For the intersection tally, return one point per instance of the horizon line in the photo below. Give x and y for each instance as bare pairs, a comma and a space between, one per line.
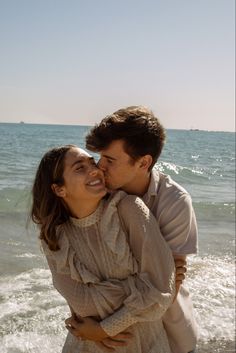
84, 125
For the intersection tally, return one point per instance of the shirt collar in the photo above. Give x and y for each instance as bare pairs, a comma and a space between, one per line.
153, 186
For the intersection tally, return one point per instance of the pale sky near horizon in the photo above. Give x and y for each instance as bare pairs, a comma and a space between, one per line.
74, 61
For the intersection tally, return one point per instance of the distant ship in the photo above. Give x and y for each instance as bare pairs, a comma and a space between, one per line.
21, 122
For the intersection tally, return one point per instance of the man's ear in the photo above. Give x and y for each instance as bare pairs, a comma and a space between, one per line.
146, 161
58, 190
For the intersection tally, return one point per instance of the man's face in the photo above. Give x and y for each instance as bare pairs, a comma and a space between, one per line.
120, 170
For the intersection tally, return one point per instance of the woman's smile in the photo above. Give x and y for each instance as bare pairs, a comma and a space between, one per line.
96, 182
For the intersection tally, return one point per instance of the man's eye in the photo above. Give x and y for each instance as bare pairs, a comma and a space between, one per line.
109, 161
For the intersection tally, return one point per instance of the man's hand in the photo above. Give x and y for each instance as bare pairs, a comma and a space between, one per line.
181, 269
90, 329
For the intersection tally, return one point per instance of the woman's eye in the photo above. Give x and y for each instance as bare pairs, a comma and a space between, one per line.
94, 164
79, 168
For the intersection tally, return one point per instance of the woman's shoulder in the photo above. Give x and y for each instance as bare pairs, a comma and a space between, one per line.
127, 205
134, 204
120, 197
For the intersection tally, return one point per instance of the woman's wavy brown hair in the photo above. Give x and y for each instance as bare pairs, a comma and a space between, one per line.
48, 210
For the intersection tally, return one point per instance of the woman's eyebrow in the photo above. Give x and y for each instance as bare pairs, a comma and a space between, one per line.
81, 160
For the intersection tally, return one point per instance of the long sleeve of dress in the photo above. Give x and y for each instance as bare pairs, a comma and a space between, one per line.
94, 298
151, 290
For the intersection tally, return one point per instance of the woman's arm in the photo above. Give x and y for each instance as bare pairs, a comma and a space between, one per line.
151, 291
87, 299
79, 295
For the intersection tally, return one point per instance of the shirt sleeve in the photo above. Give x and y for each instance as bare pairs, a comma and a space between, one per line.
150, 292
178, 225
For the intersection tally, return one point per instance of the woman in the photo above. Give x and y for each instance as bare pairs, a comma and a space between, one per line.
107, 256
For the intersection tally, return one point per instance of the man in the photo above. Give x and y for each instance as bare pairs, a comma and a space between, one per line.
130, 142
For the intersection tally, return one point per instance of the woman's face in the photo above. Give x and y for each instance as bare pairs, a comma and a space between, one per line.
82, 178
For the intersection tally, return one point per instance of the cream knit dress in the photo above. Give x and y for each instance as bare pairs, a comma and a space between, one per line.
115, 264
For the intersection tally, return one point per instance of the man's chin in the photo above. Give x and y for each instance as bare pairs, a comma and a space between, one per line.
110, 188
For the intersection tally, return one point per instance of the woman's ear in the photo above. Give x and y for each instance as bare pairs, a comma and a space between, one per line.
146, 161
58, 190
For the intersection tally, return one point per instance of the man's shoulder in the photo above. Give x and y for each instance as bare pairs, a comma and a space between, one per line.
167, 186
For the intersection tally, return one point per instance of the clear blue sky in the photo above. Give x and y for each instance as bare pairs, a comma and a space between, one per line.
74, 61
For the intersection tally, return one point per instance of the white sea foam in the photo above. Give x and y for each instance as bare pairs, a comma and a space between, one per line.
167, 167
211, 281
27, 255
31, 342
28, 292
32, 312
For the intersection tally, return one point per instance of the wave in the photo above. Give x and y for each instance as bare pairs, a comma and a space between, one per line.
30, 304
211, 281
215, 211
195, 173
32, 342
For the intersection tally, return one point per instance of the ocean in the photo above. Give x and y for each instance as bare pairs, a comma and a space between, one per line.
32, 313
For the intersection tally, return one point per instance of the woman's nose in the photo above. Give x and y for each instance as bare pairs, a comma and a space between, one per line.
101, 165
94, 170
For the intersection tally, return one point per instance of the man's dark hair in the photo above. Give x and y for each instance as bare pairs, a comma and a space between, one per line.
137, 126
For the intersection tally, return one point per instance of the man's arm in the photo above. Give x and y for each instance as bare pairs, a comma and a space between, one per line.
179, 228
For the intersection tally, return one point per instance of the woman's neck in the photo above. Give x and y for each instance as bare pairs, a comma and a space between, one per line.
83, 208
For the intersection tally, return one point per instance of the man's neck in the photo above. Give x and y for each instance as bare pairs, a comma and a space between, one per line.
139, 186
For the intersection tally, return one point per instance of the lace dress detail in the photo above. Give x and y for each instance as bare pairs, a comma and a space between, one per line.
91, 219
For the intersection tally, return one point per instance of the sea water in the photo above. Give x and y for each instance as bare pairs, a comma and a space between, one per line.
32, 313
